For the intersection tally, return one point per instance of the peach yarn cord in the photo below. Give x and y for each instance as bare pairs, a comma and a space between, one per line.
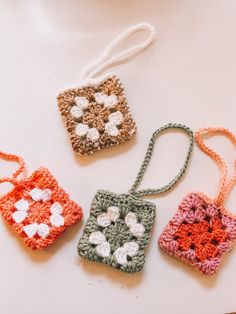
225, 185
21, 169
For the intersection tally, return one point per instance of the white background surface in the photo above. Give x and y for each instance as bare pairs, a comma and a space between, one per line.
188, 76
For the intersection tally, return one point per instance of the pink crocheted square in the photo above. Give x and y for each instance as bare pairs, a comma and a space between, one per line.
199, 233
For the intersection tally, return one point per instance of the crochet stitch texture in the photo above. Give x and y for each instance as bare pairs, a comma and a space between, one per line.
97, 116
119, 227
202, 230
37, 208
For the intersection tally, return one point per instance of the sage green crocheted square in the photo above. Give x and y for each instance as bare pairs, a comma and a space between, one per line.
117, 231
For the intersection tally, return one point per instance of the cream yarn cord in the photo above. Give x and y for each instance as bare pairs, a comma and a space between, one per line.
106, 59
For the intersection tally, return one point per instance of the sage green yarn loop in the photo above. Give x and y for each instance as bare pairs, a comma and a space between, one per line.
148, 156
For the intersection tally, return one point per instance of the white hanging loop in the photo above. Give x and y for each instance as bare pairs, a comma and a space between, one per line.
106, 59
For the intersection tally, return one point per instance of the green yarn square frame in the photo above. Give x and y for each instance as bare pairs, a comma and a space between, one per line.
118, 233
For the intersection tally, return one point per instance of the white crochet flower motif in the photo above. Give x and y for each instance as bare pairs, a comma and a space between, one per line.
112, 214
115, 119
56, 219
128, 249
32, 229
108, 101
135, 228
83, 130
82, 104
102, 248
22, 207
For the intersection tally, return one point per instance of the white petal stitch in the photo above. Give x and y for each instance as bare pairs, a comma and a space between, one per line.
93, 134
116, 118
108, 101
100, 98
97, 237
36, 194
103, 220
111, 129
131, 248
56, 208
57, 220
40, 195
76, 112
18, 216
41, 229
31, 230
103, 249
21, 213
120, 256
82, 102
131, 219
47, 193
81, 129
22, 205
113, 213
128, 249
84, 130
137, 230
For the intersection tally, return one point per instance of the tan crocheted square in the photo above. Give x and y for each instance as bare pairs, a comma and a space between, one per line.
96, 115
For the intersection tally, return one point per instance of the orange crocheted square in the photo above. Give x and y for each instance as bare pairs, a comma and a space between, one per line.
39, 210
97, 115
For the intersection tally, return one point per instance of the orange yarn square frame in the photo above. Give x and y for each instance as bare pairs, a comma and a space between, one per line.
45, 218
96, 115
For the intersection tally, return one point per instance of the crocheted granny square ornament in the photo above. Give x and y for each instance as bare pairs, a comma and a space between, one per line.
202, 230
119, 227
96, 113
118, 231
38, 209
199, 233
